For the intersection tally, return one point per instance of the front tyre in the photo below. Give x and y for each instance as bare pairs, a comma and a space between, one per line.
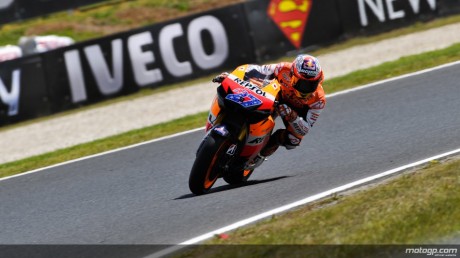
206, 170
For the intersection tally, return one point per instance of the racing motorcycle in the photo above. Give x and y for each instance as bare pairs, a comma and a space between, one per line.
245, 118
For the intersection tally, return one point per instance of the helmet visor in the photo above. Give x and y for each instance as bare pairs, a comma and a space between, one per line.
304, 87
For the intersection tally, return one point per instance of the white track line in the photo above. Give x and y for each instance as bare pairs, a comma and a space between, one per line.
202, 128
307, 200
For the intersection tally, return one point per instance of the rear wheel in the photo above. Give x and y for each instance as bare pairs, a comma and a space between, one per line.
206, 169
238, 177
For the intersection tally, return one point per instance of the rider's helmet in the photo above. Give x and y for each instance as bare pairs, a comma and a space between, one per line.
306, 74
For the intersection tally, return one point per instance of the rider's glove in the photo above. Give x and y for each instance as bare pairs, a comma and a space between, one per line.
287, 113
219, 78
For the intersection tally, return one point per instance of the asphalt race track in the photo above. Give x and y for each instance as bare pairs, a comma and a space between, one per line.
141, 196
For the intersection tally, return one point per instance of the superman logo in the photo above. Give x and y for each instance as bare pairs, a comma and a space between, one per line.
291, 17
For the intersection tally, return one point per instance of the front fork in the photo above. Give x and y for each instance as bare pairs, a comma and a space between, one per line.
236, 132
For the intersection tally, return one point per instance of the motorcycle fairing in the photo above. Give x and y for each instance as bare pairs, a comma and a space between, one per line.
258, 136
232, 83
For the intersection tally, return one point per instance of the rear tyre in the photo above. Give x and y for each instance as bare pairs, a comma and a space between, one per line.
238, 177
206, 170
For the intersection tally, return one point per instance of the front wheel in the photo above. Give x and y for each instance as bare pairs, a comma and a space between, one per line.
206, 170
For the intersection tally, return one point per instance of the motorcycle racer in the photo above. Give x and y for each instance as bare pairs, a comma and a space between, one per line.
301, 100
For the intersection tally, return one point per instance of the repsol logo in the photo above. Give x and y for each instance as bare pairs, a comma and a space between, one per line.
11, 97
148, 65
250, 86
385, 10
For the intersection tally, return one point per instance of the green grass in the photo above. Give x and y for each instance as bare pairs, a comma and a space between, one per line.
389, 69
104, 18
417, 207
